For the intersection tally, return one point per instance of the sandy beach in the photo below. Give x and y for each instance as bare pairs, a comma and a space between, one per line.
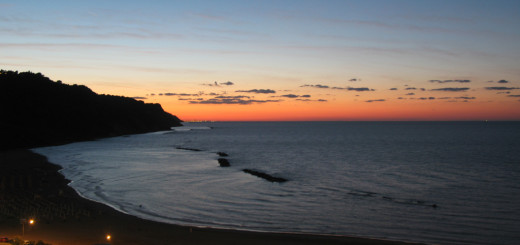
31, 187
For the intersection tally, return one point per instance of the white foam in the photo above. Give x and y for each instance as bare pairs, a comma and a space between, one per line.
189, 128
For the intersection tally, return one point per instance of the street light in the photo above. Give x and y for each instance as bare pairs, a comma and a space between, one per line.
23, 221
109, 237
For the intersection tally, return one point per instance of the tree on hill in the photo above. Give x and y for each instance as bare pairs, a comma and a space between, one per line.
37, 111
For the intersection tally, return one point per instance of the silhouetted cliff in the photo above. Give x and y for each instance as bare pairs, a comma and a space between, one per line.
36, 111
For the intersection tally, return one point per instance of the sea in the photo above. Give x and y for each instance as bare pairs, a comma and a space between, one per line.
430, 182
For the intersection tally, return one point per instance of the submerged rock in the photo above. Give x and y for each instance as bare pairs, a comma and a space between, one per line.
222, 154
223, 162
187, 149
264, 176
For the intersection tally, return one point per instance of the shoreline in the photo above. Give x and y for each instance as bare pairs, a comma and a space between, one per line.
32, 187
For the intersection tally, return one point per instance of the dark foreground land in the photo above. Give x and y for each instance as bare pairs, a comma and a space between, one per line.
31, 187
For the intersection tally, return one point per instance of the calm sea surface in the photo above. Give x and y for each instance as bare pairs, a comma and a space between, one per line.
433, 182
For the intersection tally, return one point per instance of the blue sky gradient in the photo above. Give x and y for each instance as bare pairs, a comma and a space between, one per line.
138, 48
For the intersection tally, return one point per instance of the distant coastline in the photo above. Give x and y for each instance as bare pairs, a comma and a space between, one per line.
37, 111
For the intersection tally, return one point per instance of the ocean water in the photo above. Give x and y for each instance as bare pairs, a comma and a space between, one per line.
432, 182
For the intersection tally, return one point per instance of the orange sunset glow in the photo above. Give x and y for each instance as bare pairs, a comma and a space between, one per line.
347, 107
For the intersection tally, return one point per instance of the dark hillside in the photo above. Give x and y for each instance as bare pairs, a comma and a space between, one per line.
36, 111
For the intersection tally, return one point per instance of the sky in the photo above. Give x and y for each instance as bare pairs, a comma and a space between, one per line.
279, 60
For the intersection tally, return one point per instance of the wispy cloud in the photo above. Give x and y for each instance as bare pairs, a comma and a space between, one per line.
231, 101
361, 89
190, 98
356, 89
502, 88
315, 86
412, 26
218, 84
228, 83
209, 17
80, 32
258, 91
112, 29
178, 94
60, 45
233, 97
450, 89
414, 88
309, 100
450, 81
294, 96
499, 81
378, 100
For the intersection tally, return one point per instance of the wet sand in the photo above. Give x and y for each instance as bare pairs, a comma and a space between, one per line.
31, 187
